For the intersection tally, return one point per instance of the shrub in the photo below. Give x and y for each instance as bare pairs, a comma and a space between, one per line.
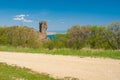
20, 36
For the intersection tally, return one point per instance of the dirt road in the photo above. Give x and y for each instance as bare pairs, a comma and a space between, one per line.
66, 66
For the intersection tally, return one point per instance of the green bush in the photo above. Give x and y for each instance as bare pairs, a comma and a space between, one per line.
77, 37
20, 36
93, 37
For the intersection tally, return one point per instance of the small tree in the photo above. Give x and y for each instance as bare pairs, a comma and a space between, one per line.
115, 29
77, 36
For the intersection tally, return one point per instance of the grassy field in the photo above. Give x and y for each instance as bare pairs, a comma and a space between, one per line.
8, 72
82, 53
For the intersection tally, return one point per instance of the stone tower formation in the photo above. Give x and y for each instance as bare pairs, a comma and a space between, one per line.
42, 29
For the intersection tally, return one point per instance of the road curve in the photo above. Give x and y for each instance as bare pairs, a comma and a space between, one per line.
59, 66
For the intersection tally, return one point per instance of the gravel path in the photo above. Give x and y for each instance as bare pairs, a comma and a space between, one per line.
60, 66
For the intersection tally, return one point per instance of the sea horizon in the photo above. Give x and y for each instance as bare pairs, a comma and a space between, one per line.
55, 32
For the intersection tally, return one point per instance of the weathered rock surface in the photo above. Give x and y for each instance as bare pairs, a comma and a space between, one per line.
42, 30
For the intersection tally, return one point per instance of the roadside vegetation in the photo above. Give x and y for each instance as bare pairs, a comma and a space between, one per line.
90, 40
115, 54
19, 36
8, 72
94, 37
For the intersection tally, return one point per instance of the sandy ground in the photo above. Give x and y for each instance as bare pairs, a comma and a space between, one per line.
66, 66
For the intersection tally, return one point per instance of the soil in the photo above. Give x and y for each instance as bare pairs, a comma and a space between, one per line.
59, 66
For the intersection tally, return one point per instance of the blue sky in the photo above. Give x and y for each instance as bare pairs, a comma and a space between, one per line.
59, 14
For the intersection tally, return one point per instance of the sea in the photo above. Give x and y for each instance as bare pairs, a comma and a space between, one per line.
51, 34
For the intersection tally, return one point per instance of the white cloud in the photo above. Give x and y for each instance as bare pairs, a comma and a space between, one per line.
22, 18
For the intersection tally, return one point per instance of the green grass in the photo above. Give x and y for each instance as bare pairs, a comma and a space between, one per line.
81, 53
8, 72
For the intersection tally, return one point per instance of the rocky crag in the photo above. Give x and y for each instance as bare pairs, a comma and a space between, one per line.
42, 30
